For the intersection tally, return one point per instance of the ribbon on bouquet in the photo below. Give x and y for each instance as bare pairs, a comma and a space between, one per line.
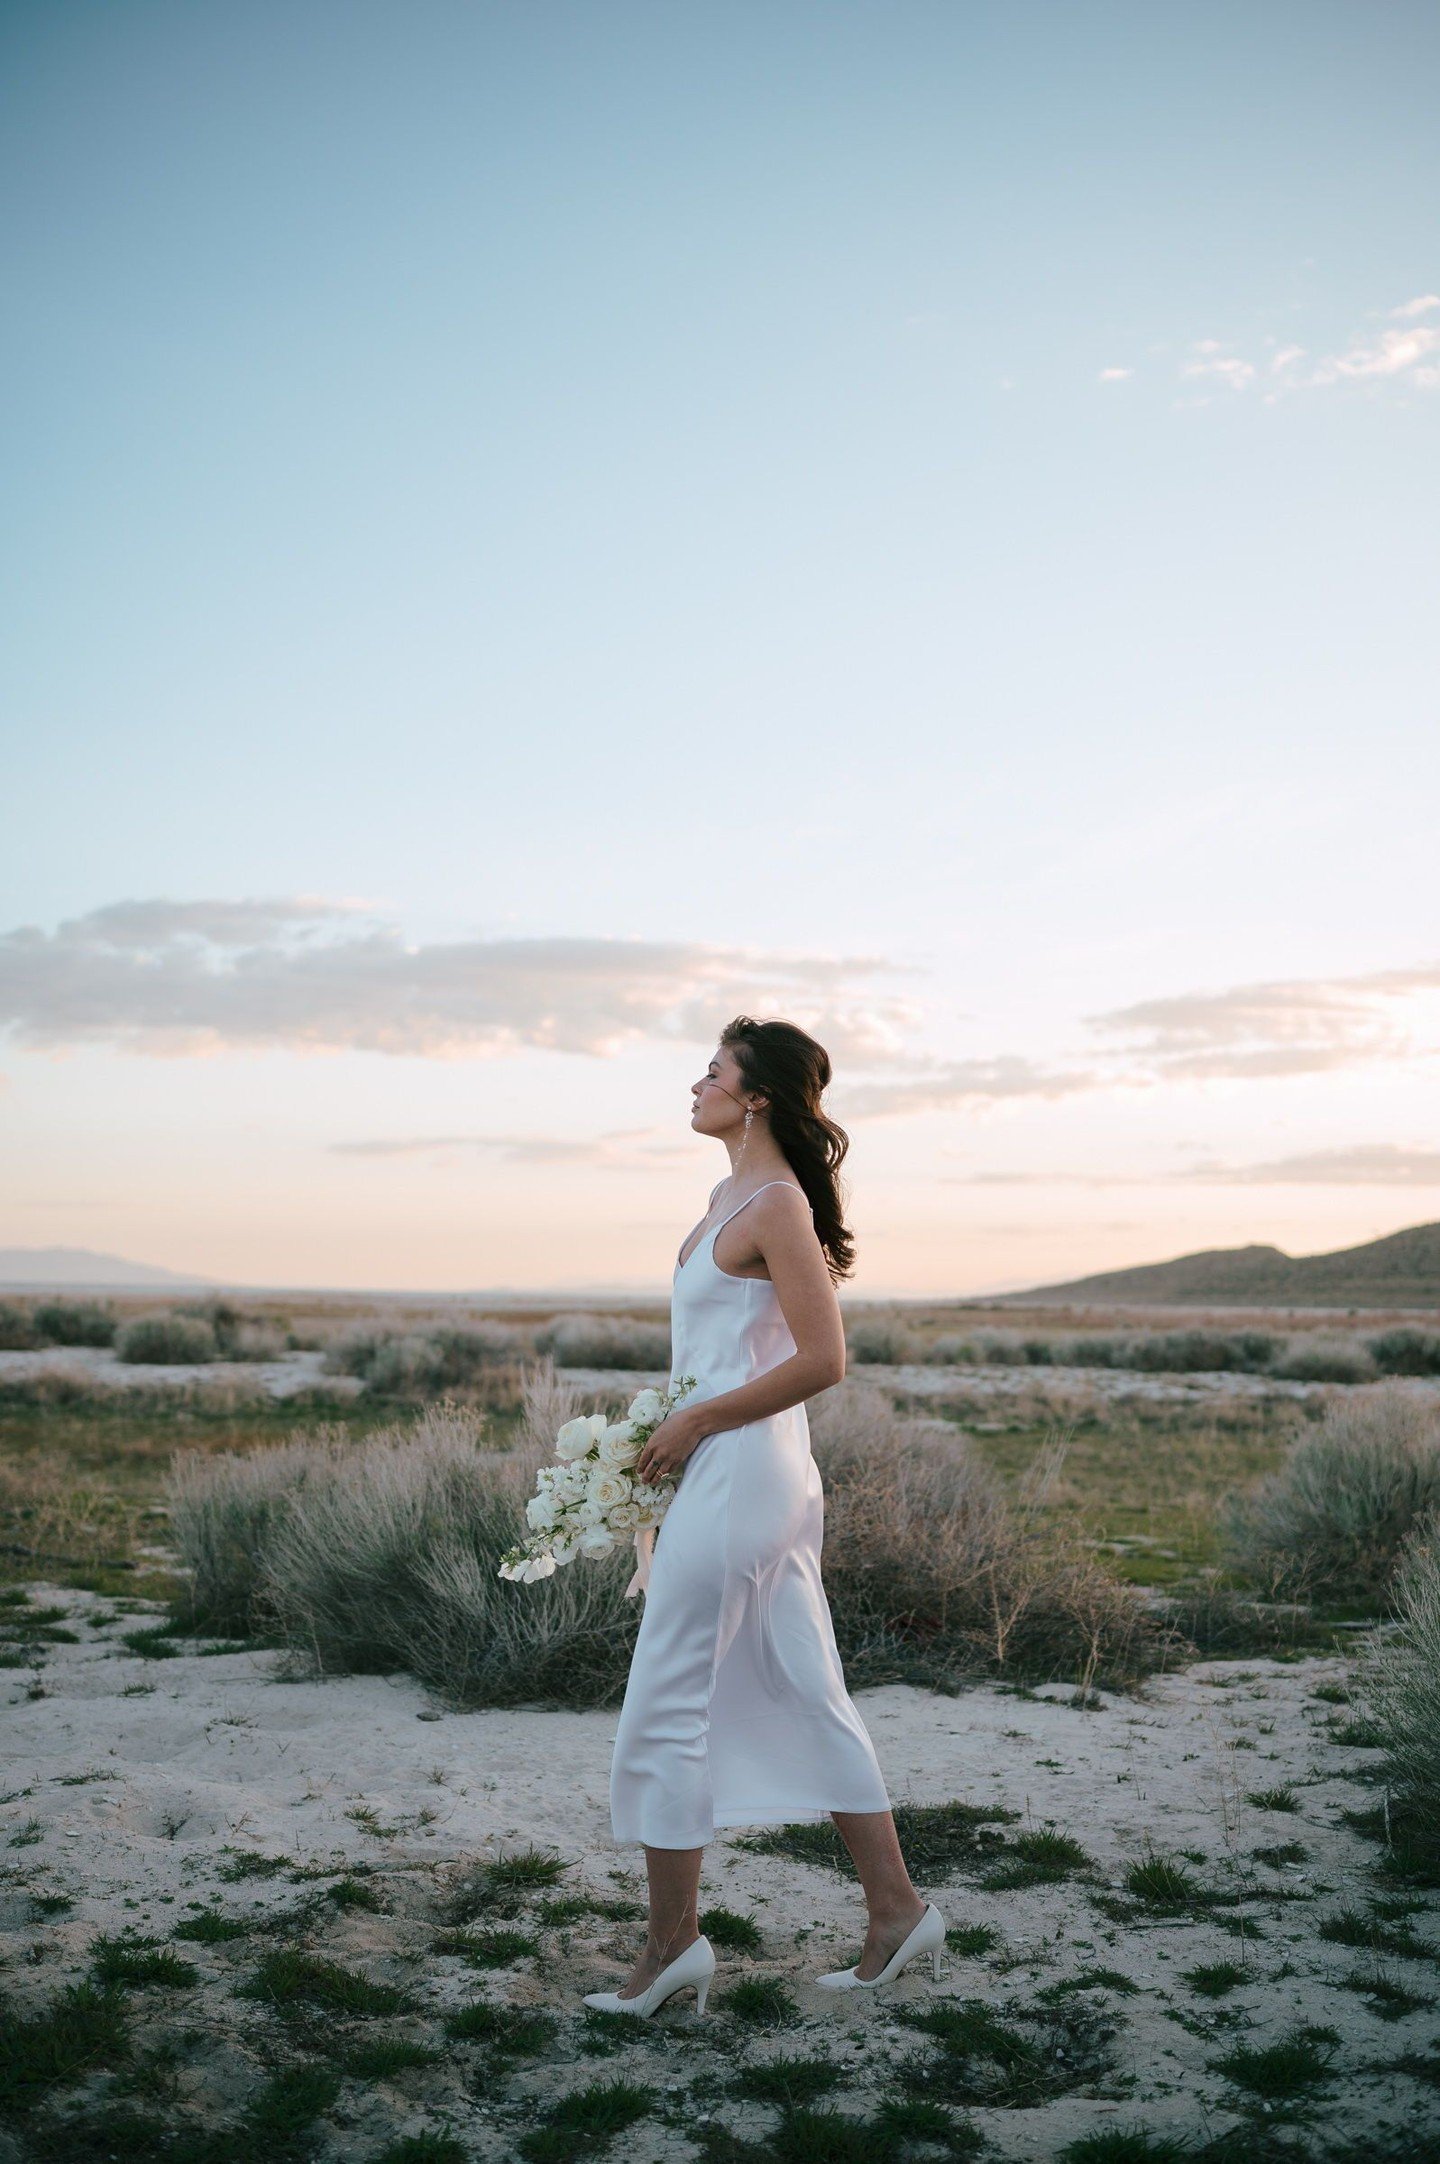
644, 1550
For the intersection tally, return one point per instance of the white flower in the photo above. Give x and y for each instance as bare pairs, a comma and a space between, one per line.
623, 1518
618, 1445
597, 1540
540, 1513
648, 1407
646, 1513
607, 1489
590, 1512
574, 1440
539, 1566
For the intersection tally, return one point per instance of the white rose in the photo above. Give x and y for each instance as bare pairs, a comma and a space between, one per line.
589, 1512
623, 1518
608, 1489
618, 1445
574, 1440
597, 1540
539, 1566
646, 1408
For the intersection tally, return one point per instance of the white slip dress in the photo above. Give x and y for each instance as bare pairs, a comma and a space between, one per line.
735, 1710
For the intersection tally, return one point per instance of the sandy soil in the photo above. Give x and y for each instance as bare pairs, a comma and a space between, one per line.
135, 1783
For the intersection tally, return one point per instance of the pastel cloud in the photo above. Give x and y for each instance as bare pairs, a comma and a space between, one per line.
182, 979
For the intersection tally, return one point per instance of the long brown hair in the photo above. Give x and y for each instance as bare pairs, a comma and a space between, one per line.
792, 1070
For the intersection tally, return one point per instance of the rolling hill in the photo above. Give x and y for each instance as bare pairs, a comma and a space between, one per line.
1402, 1270
81, 1269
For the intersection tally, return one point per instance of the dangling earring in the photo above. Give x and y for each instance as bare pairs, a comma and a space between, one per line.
749, 1116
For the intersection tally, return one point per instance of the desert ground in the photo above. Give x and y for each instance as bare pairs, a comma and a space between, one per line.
252, 1912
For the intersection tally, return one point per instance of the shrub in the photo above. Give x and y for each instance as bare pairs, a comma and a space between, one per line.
881, 1339
933, 1569
223, 1508
381, 1555
606, 1341
75, 1322
17, 1328
1402, 1682
1321, 1359
1333, 1518
424, 1364
167, 1341
1406, 1352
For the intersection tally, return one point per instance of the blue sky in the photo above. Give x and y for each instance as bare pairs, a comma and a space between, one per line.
534, 530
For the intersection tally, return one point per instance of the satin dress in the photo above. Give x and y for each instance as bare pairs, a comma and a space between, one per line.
735, 1710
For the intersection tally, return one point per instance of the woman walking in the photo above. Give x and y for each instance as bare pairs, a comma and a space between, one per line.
736, 1711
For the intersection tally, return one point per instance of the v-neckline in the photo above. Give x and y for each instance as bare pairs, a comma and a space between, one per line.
683, 1261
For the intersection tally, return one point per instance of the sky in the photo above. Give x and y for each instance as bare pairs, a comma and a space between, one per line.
534, 531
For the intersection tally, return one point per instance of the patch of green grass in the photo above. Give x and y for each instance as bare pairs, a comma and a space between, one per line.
210, 1928
128, 1960
244, 1864
155, 1644
82, 2027
1020, 2058
52, 1904
1356, 1735
1126, 2145
585, 2122
968, 1942
277, 2123
353, 1893
1273, 1799
1391, 2001
1215, 1979
425, 2149
763, 2000
1162, 1884
509, 2030
381, 2058
1349, 1927
1331, 1694
290, 1980
733, 1933
787, 2081
26, 1835
1284, 2073
1280, 1853
487, 1949
1038, 1857
937, 1839
916, 2119
499, 1886
1087, 1980
1410, 1838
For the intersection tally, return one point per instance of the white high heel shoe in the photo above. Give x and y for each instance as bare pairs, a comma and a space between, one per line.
695, 1966
928, 1937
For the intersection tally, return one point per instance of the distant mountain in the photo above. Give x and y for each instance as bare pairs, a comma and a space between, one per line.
1402, 1270
80, 1267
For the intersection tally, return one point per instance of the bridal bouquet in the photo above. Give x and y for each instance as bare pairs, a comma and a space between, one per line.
588, 1504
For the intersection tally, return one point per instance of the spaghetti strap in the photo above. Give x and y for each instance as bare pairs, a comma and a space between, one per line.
751, 1197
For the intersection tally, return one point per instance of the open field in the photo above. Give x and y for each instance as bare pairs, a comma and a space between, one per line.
251, 1913
296, 1905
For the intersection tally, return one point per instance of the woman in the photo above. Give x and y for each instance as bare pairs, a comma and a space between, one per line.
736, 1711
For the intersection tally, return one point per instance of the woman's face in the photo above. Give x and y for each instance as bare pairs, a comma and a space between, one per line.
716, 1093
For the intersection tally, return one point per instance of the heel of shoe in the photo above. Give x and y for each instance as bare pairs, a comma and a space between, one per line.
935, 1963
702, 1993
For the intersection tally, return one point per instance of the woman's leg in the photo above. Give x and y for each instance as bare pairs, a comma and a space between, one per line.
674, 1913
895, 1907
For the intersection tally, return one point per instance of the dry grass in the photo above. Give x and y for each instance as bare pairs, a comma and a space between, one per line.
381, 1555
1332, 1520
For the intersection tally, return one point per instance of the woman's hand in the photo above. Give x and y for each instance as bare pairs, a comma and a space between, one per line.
672, 1443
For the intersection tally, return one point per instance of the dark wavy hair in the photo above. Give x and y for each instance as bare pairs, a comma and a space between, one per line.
792, 1070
